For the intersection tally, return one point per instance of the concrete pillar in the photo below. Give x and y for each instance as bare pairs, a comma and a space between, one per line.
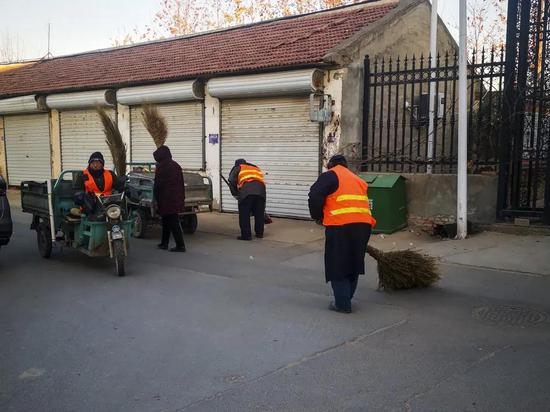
55, 143
332, 131
123, 121
212, 122
3, 160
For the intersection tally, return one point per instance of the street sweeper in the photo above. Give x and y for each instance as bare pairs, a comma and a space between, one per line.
247, 185
95, 180
338, 200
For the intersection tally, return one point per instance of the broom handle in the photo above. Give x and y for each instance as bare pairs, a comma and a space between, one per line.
225, 180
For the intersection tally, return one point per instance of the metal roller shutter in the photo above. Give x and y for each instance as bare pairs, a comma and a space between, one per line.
185, 134
27, 147
81, 135
277, 135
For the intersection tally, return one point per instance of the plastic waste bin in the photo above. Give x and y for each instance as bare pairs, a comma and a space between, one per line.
388, 201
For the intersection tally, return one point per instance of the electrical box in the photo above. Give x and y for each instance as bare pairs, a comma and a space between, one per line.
320, 107
420, 110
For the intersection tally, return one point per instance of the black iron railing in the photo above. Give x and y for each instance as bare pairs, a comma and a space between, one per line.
396, 133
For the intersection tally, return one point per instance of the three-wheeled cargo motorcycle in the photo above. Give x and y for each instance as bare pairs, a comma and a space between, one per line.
57, 220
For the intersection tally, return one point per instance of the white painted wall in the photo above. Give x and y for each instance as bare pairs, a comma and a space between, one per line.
123, 119
212, 118
3, 160
332, 131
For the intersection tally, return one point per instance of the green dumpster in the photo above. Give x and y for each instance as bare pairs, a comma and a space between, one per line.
388, 201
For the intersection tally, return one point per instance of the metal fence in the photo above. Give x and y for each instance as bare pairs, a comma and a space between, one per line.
396, 112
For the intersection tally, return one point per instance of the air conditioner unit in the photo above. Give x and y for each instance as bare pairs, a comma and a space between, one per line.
420, 109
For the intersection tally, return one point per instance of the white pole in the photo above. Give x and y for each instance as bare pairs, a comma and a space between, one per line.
431, 87
462, 169
50, 209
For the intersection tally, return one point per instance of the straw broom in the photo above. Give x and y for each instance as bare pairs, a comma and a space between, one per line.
404, 269
155, 124
114, 141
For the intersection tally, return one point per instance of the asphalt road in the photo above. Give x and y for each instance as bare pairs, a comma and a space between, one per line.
243, 326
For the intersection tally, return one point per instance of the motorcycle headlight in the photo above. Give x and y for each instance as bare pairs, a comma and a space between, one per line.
114, 212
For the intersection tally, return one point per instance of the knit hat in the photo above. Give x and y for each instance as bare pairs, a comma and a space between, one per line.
337, 160
97, 156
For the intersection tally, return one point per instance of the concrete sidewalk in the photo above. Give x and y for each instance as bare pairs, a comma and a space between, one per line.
494, 250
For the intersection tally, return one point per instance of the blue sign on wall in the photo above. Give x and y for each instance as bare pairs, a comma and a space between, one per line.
213, 138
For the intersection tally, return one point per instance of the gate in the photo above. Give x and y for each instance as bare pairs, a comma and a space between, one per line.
524, 171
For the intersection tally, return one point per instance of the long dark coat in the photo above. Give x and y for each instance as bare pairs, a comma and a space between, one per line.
169, 187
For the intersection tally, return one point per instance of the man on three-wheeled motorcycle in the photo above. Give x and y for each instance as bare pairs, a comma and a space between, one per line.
99, 226
95, 180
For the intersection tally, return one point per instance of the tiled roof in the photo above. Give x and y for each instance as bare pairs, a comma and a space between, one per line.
290, 42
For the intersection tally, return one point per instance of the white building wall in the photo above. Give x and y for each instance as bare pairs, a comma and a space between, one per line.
123, 119
212, 116
3, 160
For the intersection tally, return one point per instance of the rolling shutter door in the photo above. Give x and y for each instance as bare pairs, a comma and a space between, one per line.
27, 147
276, 135
185, 134
81, 135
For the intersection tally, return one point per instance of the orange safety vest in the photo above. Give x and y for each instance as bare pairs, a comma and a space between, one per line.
248, 174
91, 187
350, 203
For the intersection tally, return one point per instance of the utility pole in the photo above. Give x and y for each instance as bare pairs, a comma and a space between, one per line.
431, 87
462, 168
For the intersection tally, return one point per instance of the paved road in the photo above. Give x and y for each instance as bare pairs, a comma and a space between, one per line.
238, 326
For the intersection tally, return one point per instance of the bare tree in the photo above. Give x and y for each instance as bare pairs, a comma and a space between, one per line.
11, 48
486, 24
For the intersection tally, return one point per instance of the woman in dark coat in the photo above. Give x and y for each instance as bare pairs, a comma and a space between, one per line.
169, 193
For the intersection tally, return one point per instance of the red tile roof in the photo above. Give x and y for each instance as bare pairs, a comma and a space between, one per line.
290, 42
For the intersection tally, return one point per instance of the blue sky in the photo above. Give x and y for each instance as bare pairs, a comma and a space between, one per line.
81, 25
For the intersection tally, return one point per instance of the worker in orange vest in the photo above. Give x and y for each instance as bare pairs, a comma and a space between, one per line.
95, 179
338, 200
247, 185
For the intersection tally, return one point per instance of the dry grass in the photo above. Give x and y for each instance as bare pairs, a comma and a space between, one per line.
404, 269
155, 124
114, 141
